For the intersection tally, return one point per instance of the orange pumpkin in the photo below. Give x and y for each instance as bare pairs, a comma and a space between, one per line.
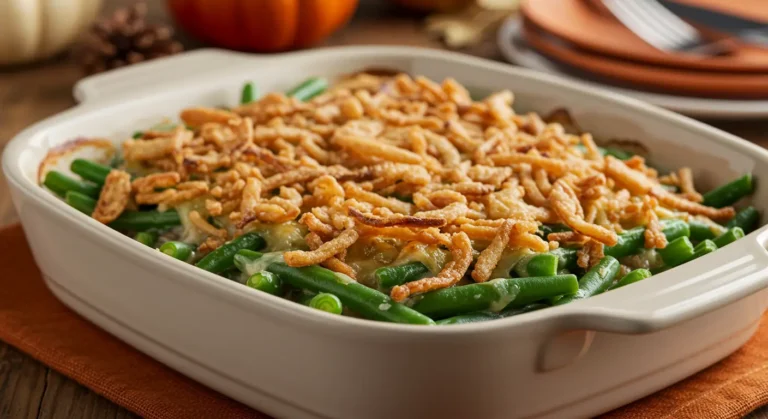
262, 25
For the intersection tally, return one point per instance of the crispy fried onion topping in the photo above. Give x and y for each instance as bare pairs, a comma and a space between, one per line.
401, 162
461, 254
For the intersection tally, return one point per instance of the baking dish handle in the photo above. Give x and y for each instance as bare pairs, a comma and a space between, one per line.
163, 71
712, 281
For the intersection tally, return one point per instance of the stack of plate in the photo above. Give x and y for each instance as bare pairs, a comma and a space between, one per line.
581, 39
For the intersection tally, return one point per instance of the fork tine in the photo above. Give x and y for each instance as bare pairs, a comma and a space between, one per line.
654, 23
637, 24
669, 20
637, 9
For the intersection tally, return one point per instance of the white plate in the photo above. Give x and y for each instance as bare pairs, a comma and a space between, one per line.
515, 50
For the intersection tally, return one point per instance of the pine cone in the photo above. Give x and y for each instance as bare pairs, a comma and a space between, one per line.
124, 39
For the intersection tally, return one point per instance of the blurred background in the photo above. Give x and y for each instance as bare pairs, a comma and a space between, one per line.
704, 58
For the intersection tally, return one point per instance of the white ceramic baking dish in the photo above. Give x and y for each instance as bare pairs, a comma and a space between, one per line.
290, 361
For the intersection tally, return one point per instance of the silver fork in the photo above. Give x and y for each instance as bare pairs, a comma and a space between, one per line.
659, 27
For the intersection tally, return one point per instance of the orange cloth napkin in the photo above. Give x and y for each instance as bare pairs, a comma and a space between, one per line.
35, 322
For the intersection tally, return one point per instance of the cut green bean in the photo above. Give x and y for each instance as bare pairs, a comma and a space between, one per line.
729, 193
539, 288
514, 311
633, 240
595, 281
247, 95
703, 231
480, 316
493, 296
80, 202
146, 220
147, 238
88, 170
366, 301
632, 277
678, 251
137, 134
267, 282
178, 250
566, 258
223, 258
728, 237
745, 219
326, 302
128, 220
390, 276
542, 264
308, 89
60, 184
703, 248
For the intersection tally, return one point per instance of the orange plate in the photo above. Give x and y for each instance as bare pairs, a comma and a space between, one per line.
585, 24
688, 82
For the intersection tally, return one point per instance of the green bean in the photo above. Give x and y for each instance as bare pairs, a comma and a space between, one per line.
265, 281
729, 193
678, 251
308, 89
88, 170
703, 248
493, 295
247, 95
146, 220
245, 256
480, 316
633, 240
60, 184
137, 134
729, 237
514, 311
178, 250
148, 238
80, 202
326, 302
631, 278
223, 258
595, 281
128, 220
535, 288
566, 258
746, 219
542, 264
703, 231
366, 301
389, 276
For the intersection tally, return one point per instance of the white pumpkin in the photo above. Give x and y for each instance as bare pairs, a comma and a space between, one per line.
32, 30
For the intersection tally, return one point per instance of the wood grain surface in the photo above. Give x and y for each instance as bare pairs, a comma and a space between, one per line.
30, 93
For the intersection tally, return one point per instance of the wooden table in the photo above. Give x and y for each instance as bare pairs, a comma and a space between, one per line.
29, 389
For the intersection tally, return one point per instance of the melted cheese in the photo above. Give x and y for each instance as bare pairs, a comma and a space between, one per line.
508, 260
191, 234
281, 237
505, 295
261, 264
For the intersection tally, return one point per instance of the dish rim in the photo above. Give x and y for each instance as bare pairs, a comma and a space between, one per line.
243, 296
